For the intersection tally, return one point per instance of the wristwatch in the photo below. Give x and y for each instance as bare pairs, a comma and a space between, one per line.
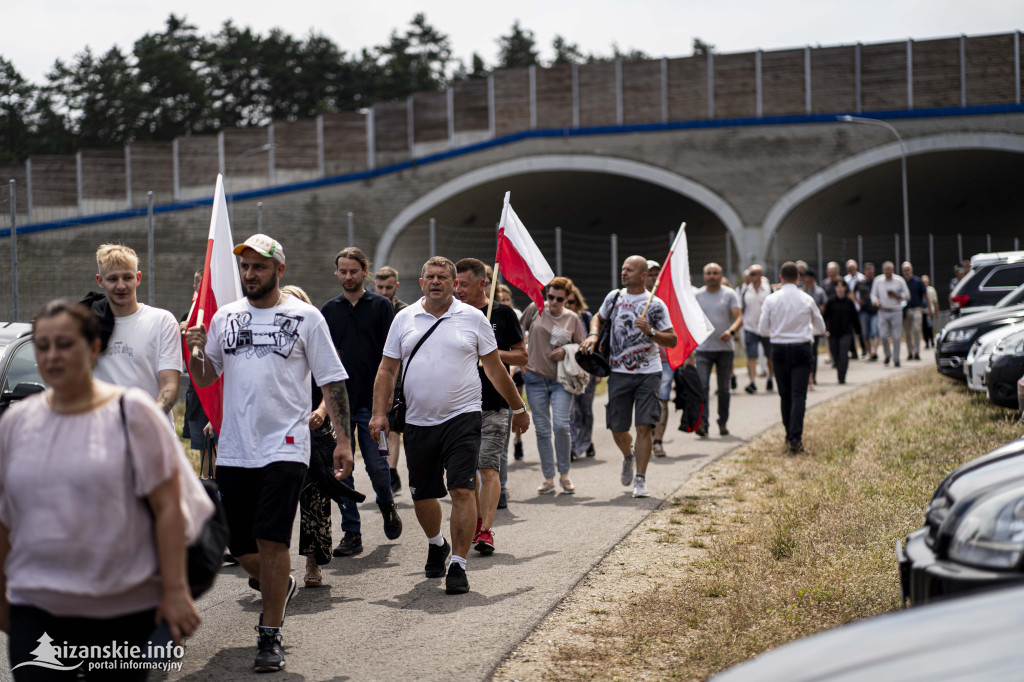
521, 410
651, 334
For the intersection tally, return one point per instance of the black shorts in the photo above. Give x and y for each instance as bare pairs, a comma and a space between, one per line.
451, 447
260, 503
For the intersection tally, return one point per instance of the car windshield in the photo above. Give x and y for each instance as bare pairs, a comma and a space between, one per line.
1015, 297
22, 368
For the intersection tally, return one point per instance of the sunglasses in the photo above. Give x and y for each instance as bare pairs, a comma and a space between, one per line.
570, 301
552, 297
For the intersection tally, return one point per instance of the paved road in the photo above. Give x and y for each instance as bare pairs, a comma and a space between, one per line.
378, 618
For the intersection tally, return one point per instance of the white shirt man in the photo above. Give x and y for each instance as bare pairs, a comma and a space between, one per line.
144, 350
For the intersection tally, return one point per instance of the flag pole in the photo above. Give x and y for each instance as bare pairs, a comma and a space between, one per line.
661, 272
494, 276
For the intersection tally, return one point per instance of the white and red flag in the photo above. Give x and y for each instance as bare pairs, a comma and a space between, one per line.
688, 319
520, 261
220, 286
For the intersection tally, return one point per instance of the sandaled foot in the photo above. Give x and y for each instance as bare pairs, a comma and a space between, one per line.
314, 577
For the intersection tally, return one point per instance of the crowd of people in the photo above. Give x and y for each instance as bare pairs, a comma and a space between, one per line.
446, 378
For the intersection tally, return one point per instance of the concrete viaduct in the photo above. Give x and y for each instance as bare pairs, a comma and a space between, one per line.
602, 160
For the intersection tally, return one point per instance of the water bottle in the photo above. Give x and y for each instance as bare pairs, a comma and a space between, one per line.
382, 444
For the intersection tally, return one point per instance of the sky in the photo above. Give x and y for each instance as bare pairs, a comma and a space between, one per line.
39, 31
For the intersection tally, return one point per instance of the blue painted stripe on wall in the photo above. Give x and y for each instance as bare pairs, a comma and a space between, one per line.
796, 119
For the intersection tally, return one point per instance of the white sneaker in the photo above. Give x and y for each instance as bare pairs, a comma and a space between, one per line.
640, 487
627, 470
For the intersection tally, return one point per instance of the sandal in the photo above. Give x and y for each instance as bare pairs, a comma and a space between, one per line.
314, 578
546, 487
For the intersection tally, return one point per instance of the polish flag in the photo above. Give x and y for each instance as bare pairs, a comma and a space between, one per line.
220, 286
520, 261
690, 323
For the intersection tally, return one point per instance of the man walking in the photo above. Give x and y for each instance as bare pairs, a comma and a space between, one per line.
268, 345
496, 419
888, 294
443, 419
636, 368
791, 319
385, 281
867, 312
752, 297
144, 350
852, 279
915, 311
722, 307
359, 322
667, 375
810, 282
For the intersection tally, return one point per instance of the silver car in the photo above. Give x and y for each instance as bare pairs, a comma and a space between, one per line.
978, 358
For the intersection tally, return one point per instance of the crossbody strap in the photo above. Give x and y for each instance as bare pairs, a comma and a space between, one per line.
420, 343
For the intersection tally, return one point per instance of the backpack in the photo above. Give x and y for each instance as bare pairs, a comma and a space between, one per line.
689, 398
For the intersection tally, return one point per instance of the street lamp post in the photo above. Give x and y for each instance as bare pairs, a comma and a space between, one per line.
231, 174
903, 170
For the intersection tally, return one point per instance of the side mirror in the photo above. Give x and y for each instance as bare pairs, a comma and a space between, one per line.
23, 390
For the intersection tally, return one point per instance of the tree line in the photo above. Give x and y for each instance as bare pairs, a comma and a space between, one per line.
177, 82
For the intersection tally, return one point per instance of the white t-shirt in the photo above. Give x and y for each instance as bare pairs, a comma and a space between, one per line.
143, 344
266, 356
632, 352
442, 382
751, 300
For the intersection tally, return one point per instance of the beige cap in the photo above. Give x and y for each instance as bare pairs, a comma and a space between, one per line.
268, 247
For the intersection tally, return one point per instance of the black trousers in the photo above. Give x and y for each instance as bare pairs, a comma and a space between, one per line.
792, 363
840, 347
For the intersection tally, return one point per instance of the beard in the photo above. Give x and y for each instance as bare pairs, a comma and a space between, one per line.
262, 291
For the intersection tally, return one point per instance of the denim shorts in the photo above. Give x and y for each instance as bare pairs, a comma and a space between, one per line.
751, 341
494, 430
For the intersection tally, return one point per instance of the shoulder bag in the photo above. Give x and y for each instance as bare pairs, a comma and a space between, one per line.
396, 417
603, 347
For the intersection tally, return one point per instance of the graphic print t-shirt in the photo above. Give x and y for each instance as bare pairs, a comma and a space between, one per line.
267, 356
633, 352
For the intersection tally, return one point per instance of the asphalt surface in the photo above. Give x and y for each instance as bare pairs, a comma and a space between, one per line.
377, 617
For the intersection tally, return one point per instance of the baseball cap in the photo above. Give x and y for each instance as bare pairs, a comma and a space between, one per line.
651, 264
268, 247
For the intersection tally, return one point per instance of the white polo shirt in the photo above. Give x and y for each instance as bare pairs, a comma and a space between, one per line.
442, 382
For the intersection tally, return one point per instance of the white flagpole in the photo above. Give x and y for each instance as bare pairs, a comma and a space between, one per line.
654, 289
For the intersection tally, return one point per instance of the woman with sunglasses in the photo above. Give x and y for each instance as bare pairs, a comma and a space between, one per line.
581, 415
549, 402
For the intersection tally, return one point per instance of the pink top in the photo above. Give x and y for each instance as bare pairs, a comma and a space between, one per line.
82, 541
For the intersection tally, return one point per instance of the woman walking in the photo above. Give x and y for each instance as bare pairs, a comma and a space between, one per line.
92, 526
549, 401
841, 323
581, 415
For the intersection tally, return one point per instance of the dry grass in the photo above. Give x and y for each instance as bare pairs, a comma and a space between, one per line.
763, 547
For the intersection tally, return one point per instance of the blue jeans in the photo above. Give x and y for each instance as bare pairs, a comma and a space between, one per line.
376, 468
549, 402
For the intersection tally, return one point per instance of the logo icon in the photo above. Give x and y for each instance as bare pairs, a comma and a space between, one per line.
46, 656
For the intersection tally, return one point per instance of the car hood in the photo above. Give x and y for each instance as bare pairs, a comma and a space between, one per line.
1011, 314
1002, 464
973, 638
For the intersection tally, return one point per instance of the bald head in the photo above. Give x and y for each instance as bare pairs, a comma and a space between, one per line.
634, 274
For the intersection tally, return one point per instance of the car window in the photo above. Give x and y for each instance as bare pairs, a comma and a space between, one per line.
22, 368
1005, 277
1015, 297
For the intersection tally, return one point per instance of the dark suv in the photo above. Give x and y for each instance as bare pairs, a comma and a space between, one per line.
19, 376
992, 276
953, 344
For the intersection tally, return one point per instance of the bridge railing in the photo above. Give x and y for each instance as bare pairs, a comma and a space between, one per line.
946, 72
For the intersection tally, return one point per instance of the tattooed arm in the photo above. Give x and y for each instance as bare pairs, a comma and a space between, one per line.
170, 382
336, 397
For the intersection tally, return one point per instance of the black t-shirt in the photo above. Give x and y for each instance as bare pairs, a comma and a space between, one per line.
359, 333
507, 333
863, 291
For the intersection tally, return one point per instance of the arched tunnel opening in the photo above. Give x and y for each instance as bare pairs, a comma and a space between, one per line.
972, 193
588, 206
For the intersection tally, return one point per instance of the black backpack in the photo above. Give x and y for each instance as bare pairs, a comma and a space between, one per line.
689, 398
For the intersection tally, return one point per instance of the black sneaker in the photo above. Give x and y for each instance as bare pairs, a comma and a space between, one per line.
769, 386
732, 382
722, 430
517, 451
502, 501
751, 388
887, 359
396, 482
591, 452
456, 582
269, 650
351, 543
796, 446
435, 560
392, 524
702, 431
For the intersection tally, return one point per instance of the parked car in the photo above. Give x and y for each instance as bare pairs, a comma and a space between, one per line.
1005, 368
978, 358
975, 639
992, 276
19, 376
1015, 297
957, 337
973, 537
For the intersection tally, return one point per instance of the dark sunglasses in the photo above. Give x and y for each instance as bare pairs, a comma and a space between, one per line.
570, 301
552, 297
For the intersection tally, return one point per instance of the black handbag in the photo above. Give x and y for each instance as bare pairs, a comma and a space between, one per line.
206, 554
603, 347
396, 417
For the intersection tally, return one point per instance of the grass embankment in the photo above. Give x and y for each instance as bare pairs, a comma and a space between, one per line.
763, 547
